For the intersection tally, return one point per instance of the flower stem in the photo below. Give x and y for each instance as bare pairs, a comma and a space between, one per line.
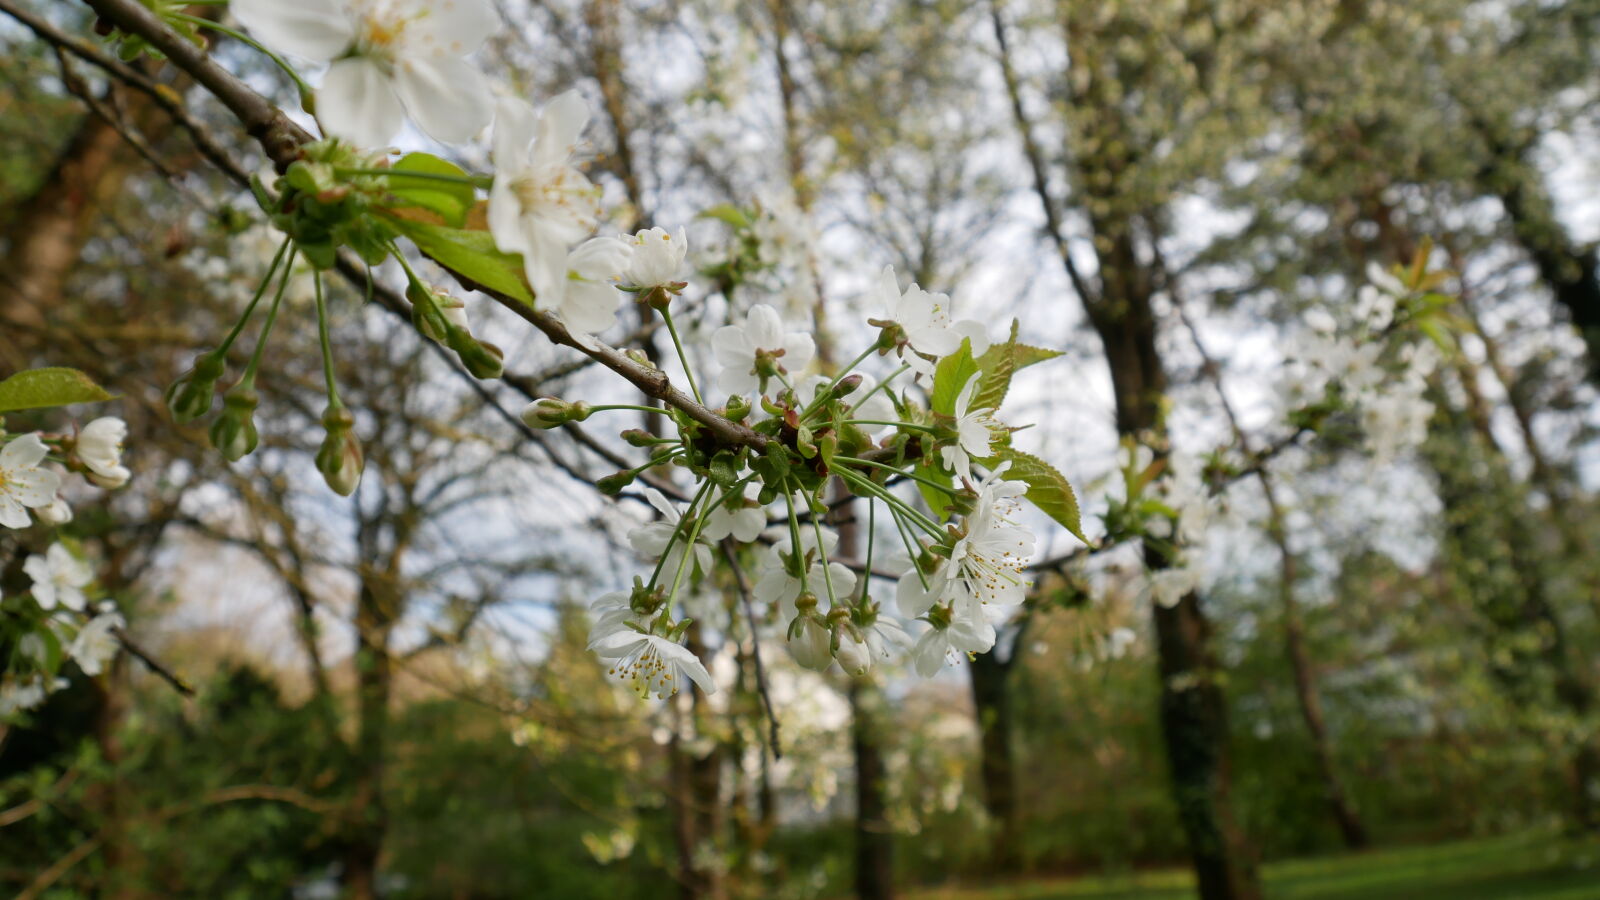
250, 309
673, 538
872, 488
327, 345
682, 357
474, 180
901, 472
249, 376
241, 37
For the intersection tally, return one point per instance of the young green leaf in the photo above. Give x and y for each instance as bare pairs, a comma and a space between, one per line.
450, 199
1047, 489
469, 254
40, 388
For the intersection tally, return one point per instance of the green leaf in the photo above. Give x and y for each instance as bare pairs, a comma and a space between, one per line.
470, 254
1047, 489
951, 375
999, 363
449, 199
937, 500
40, 388
728, 213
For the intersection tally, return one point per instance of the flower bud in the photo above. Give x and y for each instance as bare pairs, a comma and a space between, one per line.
546, 412
738, 408
189, 397
810, 643
483, 359
611, 485
57, 512
853, 654
846, 386
339, 458
234, 432
638, 437
639, 356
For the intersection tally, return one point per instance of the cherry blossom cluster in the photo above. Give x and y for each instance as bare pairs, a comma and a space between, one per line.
55, 620
764, 466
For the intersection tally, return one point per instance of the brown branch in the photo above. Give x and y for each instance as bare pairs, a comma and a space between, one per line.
282, 139
154, 665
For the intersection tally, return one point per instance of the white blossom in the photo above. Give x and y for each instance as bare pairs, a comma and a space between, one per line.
652, 664
745, 350
540, 204
658, 257
975, 430
96, 643
810, 643
58, 578
386, 58
16, 696
938, 645
734, 518
880, 640
925, 318
588, 299
1169, 586
652, 539
778, 581
24, 483
100, 448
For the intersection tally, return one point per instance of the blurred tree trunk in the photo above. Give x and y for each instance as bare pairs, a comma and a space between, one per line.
374, 684
874, 840
1103, 166
991, 703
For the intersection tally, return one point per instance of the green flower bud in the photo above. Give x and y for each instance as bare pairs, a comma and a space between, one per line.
638, 437
339, 458
738, 408
612, 485
234, 432
547, 412
483, 359
189, 398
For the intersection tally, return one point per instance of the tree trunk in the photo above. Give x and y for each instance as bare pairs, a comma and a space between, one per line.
46, 232
1193, 710
374, 683
874, 841
991, 702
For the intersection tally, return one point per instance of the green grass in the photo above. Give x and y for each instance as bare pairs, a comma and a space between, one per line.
1528, 866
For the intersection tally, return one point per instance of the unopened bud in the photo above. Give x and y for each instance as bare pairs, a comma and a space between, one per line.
339, 458
483, 359
639, 356
546, 412
638, 437
611, 485
234, 432
847, 385
190, 396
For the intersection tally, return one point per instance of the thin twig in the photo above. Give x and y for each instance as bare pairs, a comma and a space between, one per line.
151, 663
755, 647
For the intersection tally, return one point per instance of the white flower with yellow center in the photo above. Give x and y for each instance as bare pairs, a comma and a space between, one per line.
24, 484
652, 664
658, 257
930, 329
540, 204
760, 349
387, 58
96, 643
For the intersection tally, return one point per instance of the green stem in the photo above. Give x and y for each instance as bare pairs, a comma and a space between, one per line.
794, 536
912, 549
699, 520
909, 425
901, 472
648, 409
872, 488
250, 308
682, 357
249, 376
667, 550
327, 345
838, 377
241, 37
872, 529
822, 550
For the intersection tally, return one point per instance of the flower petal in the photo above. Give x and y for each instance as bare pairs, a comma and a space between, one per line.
311, 29
560, 125
447, 97
23, 453
358, 103
452, 27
